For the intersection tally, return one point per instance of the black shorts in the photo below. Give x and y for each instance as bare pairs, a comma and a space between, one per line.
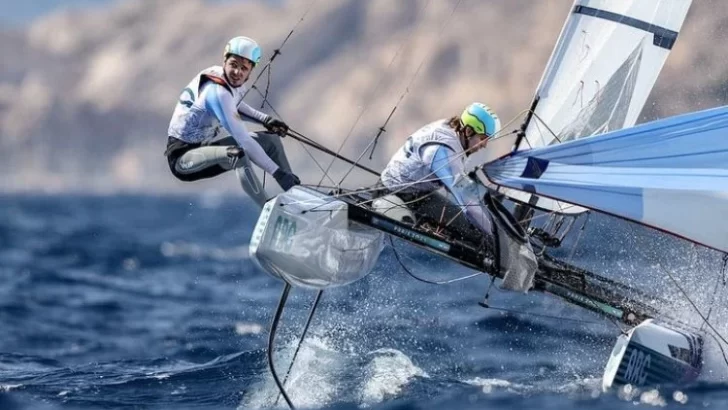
175, 149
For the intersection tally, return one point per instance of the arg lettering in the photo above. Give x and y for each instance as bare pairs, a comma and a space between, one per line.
283, 233
637, 368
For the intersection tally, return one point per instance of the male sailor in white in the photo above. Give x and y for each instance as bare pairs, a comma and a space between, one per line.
434, 156
197, 148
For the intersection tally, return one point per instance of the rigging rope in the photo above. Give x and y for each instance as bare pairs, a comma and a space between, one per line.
445, 282
718, 281
267, 70
431, 282
302, 138
725, 359
695, 307
578, 238
532, 113
406, 91
267, 67
400, 187
374, 93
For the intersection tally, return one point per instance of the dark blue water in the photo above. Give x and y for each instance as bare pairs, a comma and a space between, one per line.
152, 303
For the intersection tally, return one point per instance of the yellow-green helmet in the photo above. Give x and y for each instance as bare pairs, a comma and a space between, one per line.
481, 118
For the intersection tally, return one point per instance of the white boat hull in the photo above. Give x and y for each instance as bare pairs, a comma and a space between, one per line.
306, 239
654, 354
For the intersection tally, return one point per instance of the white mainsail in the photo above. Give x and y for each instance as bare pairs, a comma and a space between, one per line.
600, 74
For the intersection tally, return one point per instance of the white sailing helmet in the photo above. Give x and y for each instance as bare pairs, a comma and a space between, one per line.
244, 47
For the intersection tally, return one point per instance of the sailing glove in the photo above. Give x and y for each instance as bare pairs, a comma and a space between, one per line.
286, 179
277, 126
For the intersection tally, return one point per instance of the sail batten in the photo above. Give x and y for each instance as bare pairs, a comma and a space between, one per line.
670, 174
663, 37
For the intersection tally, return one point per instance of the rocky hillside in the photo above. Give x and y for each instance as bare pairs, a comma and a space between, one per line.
85, 96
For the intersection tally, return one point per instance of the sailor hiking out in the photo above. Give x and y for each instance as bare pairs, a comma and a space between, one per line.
212, 102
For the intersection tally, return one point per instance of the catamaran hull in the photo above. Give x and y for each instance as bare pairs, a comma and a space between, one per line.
653, 354
305, 238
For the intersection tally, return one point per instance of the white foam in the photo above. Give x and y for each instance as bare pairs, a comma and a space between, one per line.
588, 386
680, 397
387, 373
8, 387
653, 397
591, 386
329, 371
242, 328
313, 380
179, 390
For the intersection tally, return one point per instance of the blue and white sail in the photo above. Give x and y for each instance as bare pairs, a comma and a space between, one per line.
670, 174
601, 71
